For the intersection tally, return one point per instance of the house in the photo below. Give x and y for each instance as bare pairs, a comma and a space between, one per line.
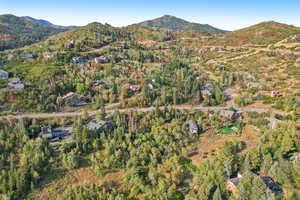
79, 60
97, 83
98, 126
10, 56
253, 85
3, 74
233, 183
150, 86
295, 158
200, 51
276, 94
16, 84
48, 55
297, 48
53, 135
222, 68
101, 60
206, 94
70, 44
209, 87
135, 88
72, 99
298, 60
231, 115
272, 186
273, 122
193, 127
27, 57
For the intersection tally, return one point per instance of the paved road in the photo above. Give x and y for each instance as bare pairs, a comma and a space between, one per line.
178, 107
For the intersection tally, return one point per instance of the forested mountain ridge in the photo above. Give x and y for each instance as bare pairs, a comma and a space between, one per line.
17, 32
177, 24
49, 24
260, 34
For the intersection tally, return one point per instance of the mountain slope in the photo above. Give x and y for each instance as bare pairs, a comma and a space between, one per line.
264, 33
17, 32
93, 35
176, 24
49, 24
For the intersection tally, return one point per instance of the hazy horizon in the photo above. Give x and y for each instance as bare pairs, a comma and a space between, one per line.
230, 15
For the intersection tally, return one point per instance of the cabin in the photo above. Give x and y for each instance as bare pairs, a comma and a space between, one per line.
16, 84
3, 74
193, 126
72, 99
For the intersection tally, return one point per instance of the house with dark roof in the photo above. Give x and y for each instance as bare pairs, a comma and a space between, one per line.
54, 135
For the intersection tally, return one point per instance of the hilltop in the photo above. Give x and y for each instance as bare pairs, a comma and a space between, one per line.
260, 34
177, 24
17, 32
49, 24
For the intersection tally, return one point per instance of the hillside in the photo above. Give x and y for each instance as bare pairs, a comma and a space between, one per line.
17, 32
93, 35
49, 24
260, 34
176, 24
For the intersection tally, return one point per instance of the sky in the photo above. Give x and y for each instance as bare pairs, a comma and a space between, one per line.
226, 14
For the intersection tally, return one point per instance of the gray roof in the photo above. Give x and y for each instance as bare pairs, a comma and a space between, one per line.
272, 185
94, 126
235, 181
193, 127
3, 74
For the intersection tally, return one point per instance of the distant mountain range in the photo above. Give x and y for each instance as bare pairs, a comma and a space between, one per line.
17, 32
177, 24
49, 24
